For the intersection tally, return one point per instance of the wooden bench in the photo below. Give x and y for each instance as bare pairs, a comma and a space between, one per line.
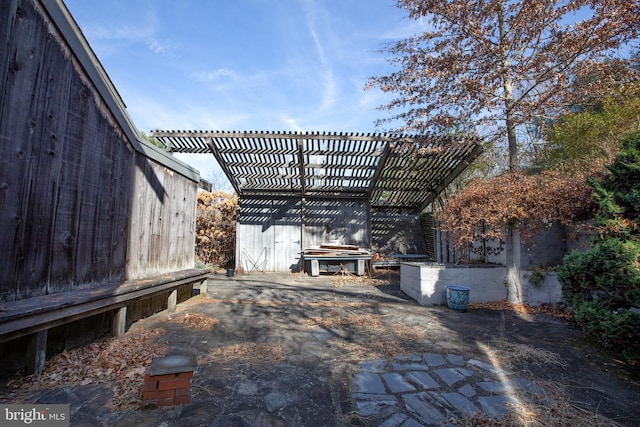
337, 262
35, 316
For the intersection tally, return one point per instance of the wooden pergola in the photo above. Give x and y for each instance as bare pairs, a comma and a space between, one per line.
400, 171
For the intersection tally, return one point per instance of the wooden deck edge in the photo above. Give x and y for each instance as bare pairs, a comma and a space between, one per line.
41, 313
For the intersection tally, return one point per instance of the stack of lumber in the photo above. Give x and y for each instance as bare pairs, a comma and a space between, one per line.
331, 249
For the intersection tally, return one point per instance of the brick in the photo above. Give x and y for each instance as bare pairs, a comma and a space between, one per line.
150, 402
173, 384
181, 400
149, 386
165, 377
185, 375
167, 401
158, 394
184, 391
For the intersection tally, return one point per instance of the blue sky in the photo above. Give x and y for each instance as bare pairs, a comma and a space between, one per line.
278, 65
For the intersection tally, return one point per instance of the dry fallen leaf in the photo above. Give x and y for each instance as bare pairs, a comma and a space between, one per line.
121, 363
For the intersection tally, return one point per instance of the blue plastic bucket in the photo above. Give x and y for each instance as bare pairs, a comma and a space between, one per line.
458, 297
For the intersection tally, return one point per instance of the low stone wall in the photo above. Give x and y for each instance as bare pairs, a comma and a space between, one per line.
548, 291
427, 284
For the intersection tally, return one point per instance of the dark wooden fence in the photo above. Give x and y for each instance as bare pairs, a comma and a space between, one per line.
82, 201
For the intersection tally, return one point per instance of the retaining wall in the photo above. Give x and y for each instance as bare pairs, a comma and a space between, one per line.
427, 284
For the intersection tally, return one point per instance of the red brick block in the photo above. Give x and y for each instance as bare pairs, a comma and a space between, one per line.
185, 375
173, 384
158, 394
166, 389
167, 401
150, 402
149, 386
185, 391
165, 377
181, 400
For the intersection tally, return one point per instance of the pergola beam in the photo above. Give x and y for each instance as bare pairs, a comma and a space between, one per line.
388, 169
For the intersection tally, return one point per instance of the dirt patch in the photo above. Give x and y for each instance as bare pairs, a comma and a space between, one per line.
195, 321
560, 311
252, 353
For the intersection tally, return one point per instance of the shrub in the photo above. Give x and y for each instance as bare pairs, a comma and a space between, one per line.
528, 202
617, 330
603, 284
608, 273
216, 215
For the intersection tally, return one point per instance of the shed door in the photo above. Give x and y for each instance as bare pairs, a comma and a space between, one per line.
268, 235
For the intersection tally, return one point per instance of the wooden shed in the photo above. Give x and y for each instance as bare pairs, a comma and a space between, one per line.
94, 219
300, 191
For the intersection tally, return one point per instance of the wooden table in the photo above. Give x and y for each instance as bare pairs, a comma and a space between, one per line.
339, 262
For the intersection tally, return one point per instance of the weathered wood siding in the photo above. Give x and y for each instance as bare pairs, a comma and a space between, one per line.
78, 205
337, 220
162, 220
272, 232
397, 231
268, 234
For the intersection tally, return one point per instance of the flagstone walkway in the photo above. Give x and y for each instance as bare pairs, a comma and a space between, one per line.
290, 350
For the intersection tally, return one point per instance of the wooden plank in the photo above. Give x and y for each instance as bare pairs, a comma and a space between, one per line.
172, 301
120, 322
339, 246
36, 353
64, 239
21, 146
34, 314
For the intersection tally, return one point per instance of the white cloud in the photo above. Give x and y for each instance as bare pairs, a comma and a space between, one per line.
157, 47
215, 75
291, 124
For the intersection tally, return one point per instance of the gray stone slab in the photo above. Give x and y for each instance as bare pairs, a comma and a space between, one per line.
368, 382
455, 359
173, 364
487, 367
313, 349
422, 379
498, 387
493, 406
395, 420
409, 367
425, 407
379, 405
434, 359
275, 401
467, 390
408, 358
377, 365
461, 403
465, 372
450, 375
412, 423
397, 383
247, 388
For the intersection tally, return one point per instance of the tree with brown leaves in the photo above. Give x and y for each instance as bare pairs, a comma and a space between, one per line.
498, 63
529, 203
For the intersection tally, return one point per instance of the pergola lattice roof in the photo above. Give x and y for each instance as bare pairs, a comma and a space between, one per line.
390, 170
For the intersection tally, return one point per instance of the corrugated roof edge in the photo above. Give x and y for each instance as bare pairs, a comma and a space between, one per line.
71, 32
